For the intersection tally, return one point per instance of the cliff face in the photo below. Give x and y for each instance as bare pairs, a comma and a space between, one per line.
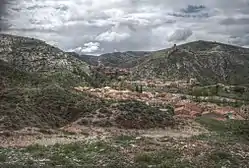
32, 55
208, 62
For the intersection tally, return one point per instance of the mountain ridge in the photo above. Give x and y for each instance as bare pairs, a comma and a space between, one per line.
209, 62
125, 59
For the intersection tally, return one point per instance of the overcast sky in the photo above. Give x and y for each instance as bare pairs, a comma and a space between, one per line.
101, 26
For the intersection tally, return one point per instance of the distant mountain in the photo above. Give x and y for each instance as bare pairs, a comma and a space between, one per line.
127, 59
89, 59
208, 62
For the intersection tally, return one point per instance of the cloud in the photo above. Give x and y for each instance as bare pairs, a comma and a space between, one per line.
3, 6
87, 48
193, 9
235, 21
180, 35
127, 24
110, 36
243, 41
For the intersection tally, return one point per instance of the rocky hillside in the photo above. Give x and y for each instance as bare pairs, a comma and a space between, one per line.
35, 84
32, 100
208, 62
33, 55
127, 59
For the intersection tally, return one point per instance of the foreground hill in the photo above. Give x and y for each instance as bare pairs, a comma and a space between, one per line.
127, 59
35, 84
208, 62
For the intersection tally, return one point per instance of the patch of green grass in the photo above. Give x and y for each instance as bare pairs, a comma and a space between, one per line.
212, 124
223, 158
167, 158
144, 157
124, 140
138, 115
219, 155
3, 157
237, 103
111, 155
34, 148
229, 130
69, 155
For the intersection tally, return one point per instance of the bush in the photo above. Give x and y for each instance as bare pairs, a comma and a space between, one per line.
135, 114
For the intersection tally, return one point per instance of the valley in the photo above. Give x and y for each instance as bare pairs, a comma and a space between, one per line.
186, 106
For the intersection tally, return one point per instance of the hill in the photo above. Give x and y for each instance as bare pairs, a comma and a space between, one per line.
27, 100
33, 55
36, 82
127, 59
208, 62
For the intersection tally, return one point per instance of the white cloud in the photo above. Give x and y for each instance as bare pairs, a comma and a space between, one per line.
110, 36
87, 48
128, 24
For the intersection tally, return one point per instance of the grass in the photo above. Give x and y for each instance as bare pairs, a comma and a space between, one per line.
49, 107
219, 156
80, 154
44, 100
118, 153
239, 93
135, 114
166, 158
96, 154
3, 157
231, 130
124, 140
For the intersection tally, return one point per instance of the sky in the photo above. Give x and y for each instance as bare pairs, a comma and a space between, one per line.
102, 26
